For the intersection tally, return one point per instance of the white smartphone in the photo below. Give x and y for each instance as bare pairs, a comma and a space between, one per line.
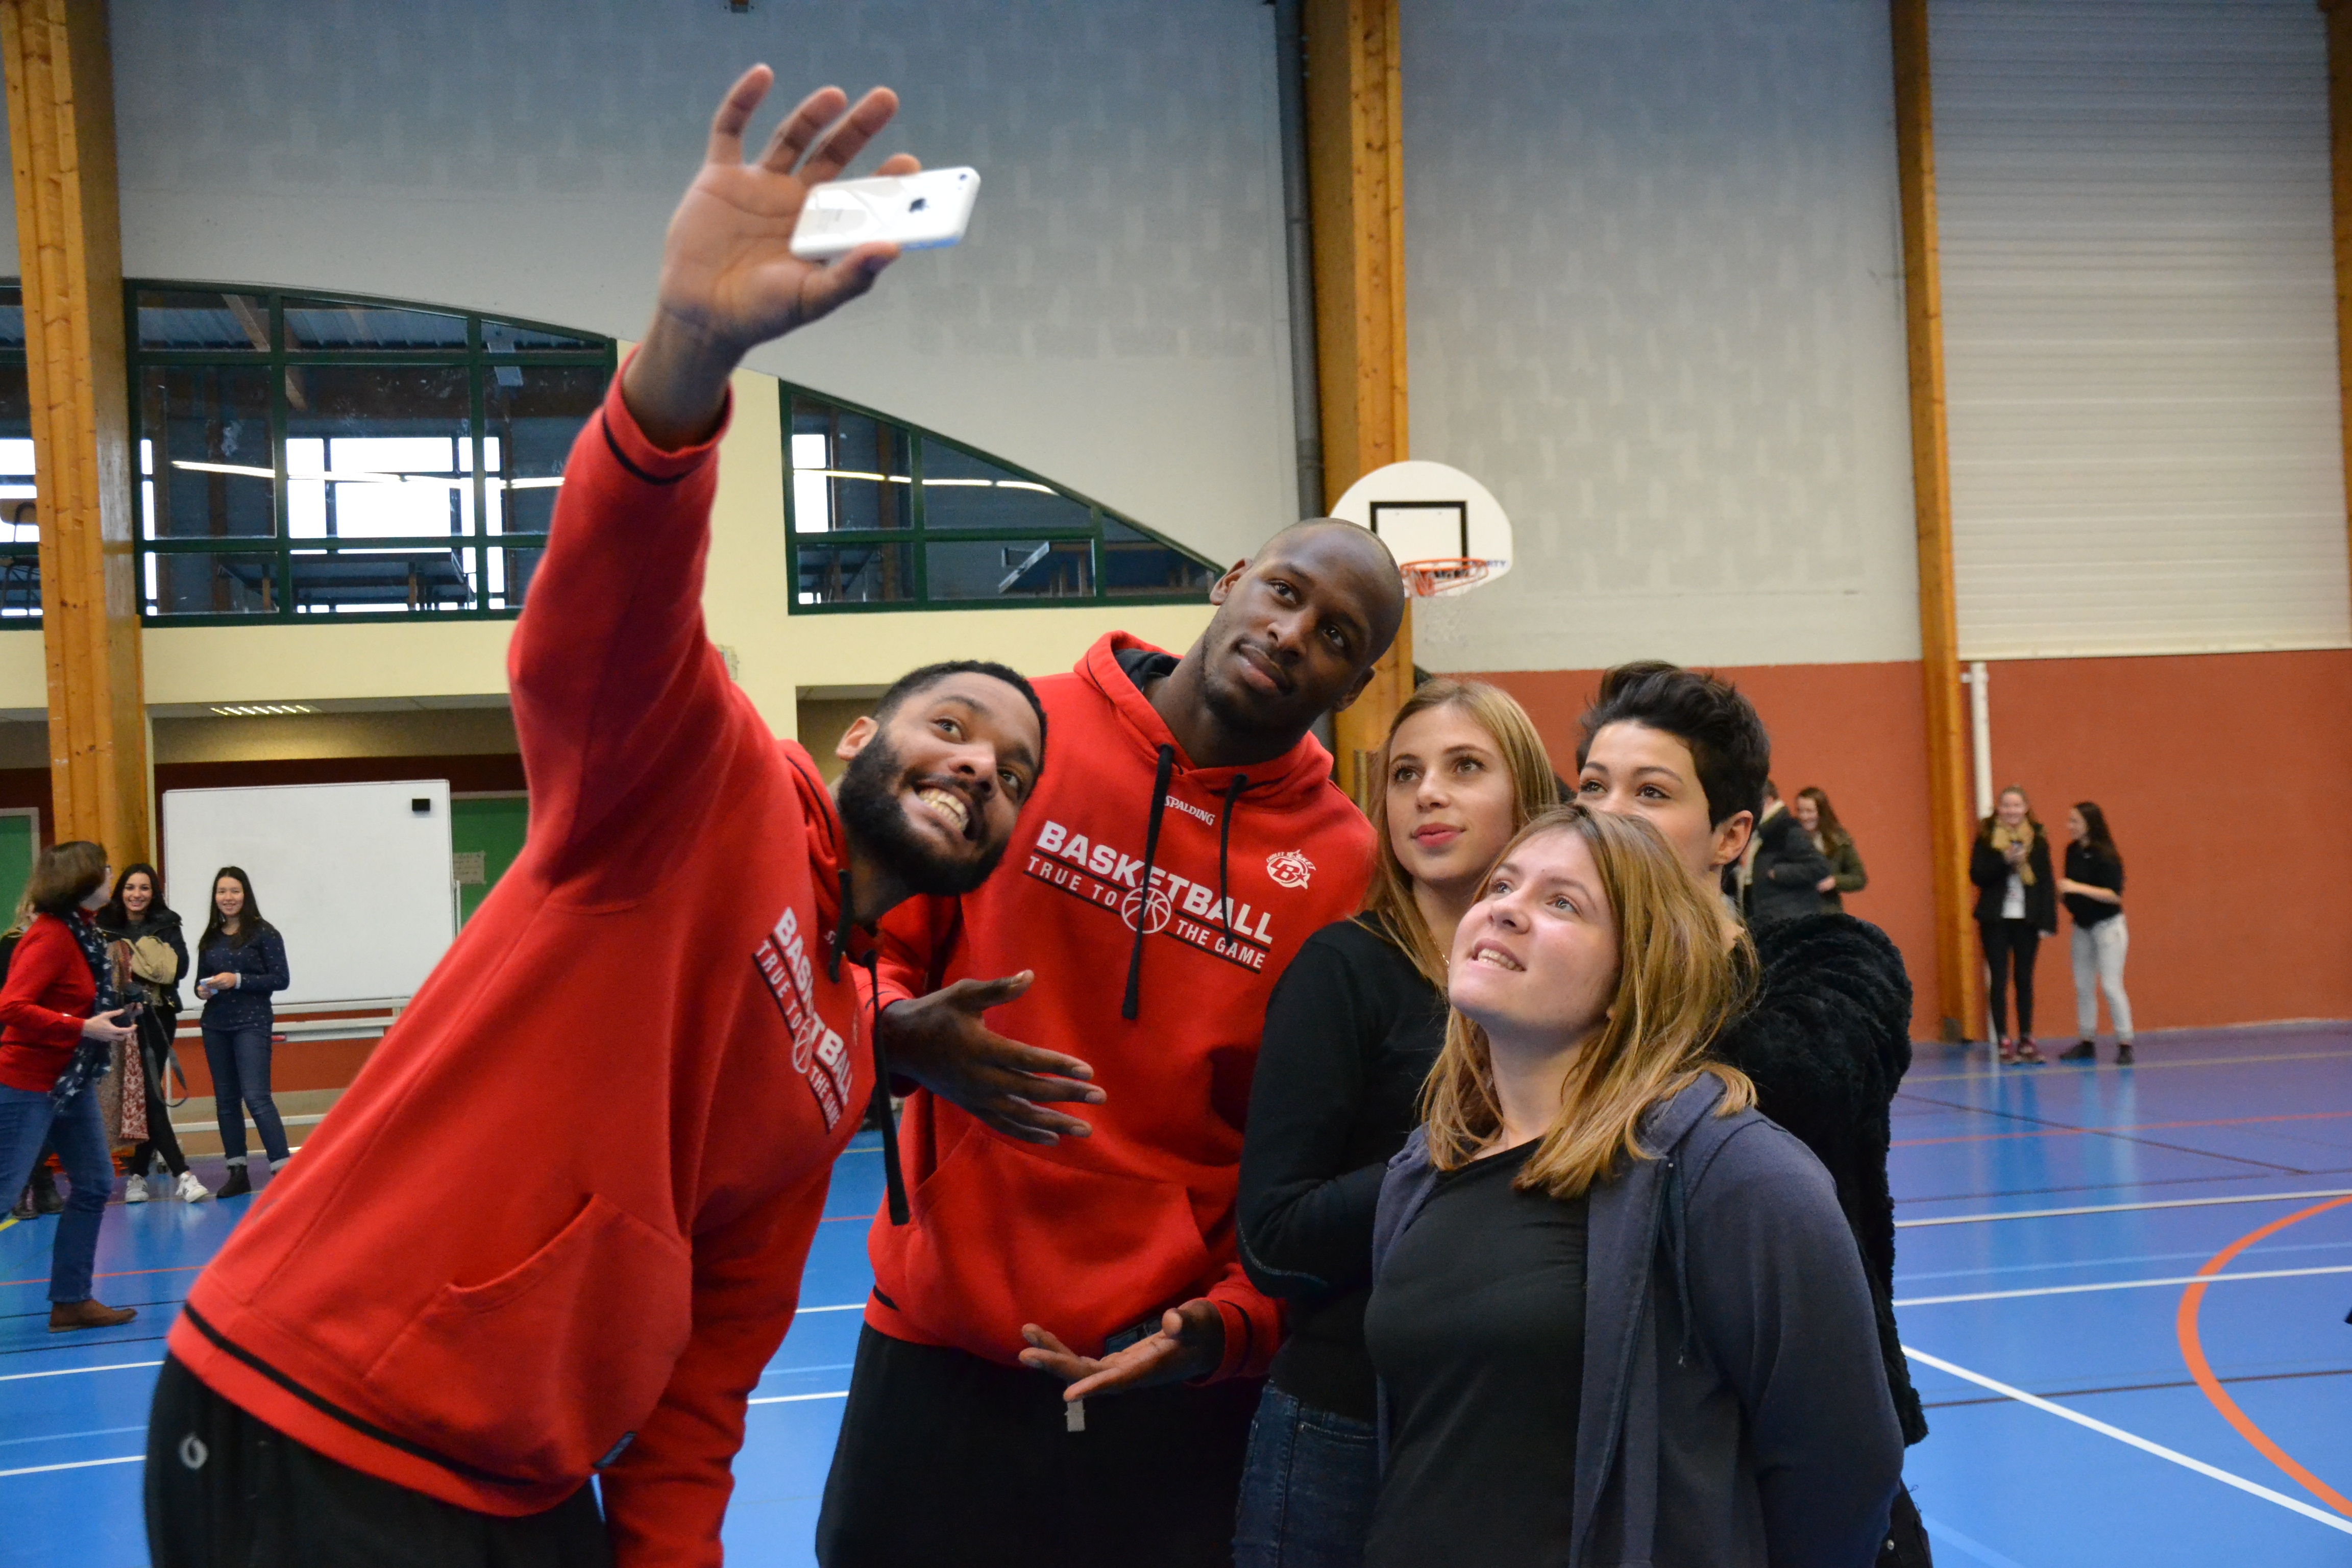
915, 212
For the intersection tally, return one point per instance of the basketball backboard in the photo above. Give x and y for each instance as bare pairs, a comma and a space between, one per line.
1430, 512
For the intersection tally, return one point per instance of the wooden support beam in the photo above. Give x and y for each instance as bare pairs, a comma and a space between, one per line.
1355, 182
1951, 824
60, 84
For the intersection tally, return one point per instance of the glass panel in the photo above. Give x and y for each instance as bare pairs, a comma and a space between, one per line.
20, 585
506, 338
206, 319
378, 452
533, 413
1021, 569
849, 471
12, 317
19, 513
855, 573
1135, 562
212, 584
960, 491
382, 581
318, 324
510, 574
215, 477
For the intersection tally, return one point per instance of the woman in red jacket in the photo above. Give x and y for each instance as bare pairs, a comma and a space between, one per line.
48, 1013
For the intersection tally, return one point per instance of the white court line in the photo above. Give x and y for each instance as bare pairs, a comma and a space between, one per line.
75, 1464
848, 1307
72, 1371
2124, 1285
2126, 1208
2333, 1521
796, 1398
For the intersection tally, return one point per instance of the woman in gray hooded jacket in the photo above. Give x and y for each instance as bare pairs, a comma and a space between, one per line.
1618, 1317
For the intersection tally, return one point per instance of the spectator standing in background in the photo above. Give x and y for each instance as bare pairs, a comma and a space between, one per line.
1785, 871
138, 917
2094, 890
1351, 1031
58, 1028
2017, 906
240, 963
1819, 818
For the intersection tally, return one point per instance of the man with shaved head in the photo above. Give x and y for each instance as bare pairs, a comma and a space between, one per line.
1059, 1360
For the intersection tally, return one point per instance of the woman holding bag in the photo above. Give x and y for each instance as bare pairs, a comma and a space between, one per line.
138, 918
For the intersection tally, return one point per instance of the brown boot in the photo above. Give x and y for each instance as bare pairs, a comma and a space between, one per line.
66, 1316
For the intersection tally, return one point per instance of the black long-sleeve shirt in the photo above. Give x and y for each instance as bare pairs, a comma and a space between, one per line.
2093, 869
1351, 1031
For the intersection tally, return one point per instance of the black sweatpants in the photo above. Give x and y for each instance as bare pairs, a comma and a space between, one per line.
225, 1491
155, 1042
2005, 940
945, 1458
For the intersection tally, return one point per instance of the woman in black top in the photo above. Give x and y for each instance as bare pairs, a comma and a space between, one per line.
2017, 906
2094, 890
240, 963
1618, 1315
1351, 1031
1819, 818
137, 916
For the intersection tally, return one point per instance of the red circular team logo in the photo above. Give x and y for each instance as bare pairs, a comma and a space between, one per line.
1161, 907
1289, 868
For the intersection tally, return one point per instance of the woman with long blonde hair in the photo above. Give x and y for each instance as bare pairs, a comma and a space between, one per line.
1617, 1315
1351, 1031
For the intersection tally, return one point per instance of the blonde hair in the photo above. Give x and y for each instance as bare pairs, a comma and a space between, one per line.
1677, 986
1388, 899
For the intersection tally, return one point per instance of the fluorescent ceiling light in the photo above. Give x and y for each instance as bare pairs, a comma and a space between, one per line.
257, 710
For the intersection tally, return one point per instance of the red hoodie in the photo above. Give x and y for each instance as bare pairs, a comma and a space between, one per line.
558, 1223
1094, 1235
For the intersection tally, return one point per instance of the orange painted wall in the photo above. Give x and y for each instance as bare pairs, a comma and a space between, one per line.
1859, 732
2228, 781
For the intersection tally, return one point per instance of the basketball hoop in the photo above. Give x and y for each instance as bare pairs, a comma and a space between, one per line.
1443, 574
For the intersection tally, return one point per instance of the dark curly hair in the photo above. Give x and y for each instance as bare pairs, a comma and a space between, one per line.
1727, 742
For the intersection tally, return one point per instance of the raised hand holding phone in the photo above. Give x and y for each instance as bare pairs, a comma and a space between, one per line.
730, 280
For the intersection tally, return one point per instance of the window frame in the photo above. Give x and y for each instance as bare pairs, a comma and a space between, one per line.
13, 355
277, 361
918, 536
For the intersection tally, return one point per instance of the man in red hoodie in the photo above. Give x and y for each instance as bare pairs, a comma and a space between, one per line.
1153, 895
421, 1345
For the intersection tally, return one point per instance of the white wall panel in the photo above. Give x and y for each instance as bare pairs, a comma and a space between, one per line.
1652, 259
1116, 319
2139, 326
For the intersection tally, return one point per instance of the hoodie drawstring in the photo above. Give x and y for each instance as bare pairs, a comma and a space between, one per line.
894, 1177
1239, 783
1133, 1000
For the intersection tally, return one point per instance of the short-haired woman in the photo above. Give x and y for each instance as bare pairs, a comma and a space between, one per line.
2094, 890
137, 917
241, 962
1351, 1031
2017, 906
1618, 1315
1818, 818
59, 1026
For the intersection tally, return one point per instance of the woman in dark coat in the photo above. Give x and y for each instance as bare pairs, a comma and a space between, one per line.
137, 916
2017, 906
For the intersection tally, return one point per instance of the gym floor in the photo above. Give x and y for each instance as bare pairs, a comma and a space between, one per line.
2092, 1400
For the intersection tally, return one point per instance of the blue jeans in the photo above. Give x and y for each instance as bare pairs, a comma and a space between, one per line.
1307, 1487
26, 1119
239, 1060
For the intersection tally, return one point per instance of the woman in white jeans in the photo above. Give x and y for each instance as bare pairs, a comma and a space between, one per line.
2094, 890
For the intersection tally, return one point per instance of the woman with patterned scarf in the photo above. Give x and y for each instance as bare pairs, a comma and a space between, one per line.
2017, 906
60, 1026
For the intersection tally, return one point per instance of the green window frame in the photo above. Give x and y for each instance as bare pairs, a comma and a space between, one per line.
20, 561
898, 548
323, 576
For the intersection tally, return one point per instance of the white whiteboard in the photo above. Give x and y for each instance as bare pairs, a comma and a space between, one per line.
354, 876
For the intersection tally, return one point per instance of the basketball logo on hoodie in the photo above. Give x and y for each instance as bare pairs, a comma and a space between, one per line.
1160, 907
1289, 868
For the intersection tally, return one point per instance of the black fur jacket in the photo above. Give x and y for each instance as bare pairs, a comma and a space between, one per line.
1827, 1040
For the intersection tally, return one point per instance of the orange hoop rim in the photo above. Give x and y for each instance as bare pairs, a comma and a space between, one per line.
1426, 579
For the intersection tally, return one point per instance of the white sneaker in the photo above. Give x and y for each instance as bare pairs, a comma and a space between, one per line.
191, 1190
134, 1191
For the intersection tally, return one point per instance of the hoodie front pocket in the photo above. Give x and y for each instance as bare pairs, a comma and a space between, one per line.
1002, 1238
537, 1374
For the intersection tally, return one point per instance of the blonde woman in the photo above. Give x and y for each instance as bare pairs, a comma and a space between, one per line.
1351, 1031
2017, 906
1617, 1314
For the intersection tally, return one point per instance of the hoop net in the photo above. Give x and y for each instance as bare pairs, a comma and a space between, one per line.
1442, 574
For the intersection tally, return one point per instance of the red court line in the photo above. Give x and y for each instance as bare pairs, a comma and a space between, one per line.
2139, 1126
2192, 1351
118, 1274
